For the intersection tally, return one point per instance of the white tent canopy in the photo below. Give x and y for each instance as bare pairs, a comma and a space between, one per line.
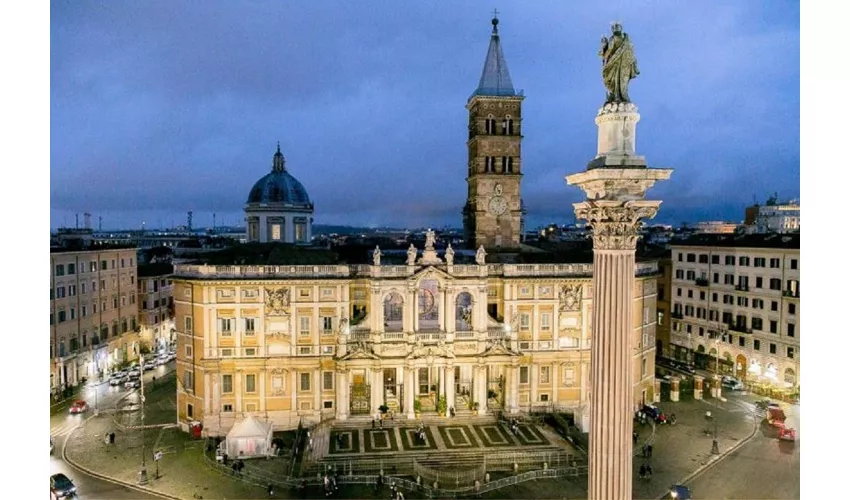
249, 438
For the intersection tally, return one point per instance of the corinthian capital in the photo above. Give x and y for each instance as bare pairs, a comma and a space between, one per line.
615, 224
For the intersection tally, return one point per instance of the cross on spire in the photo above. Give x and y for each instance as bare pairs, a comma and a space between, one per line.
495, 13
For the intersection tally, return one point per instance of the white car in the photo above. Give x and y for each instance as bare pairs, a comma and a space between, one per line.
132, 384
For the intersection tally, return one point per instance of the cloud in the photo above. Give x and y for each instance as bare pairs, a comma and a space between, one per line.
179, 105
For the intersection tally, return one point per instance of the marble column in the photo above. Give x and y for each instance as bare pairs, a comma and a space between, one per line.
481, 387
377, 390
409, 385
533, 380
615, 183
341, 395
450, 386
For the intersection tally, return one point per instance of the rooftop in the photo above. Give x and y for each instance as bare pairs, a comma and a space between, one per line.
786, 241
495, 78
155, 269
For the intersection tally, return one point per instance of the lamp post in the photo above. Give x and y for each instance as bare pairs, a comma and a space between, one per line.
715, 449
143, 474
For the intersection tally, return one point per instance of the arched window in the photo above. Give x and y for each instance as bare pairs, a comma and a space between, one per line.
62, 347
510, 164
701, 348
463, 312
790, 376
123, 325
429, 305
115, 328
490, 125
393, 313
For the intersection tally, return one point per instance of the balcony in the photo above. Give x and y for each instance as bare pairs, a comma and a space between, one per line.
742, 288
431, 337
677, 315
791, 293
701, 281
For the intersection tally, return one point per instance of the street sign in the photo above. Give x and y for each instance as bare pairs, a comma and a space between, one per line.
157, 456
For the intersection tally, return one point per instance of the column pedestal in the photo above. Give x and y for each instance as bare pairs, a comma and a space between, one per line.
656, 393
698, 381
674, 389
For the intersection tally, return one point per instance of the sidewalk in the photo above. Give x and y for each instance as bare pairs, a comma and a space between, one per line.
680, 450
182, 470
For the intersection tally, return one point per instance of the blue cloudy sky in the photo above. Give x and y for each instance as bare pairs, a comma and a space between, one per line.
161, 107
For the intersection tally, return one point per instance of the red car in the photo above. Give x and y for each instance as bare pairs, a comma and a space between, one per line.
79, 406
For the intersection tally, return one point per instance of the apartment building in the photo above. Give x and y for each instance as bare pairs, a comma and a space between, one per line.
93, 311
156, 305
735, 306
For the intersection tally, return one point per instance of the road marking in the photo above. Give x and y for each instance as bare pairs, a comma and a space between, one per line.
63, 430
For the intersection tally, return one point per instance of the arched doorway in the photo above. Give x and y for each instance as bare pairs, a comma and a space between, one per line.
790, 376
741, 367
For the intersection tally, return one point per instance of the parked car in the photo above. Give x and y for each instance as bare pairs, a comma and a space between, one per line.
651, 411
133, 383
61, 486
732, 383
150, 365
78, 406
787, 434
117, 379
135, 372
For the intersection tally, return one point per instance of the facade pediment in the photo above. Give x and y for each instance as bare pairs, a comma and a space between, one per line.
431, 272
498, 348
359, 350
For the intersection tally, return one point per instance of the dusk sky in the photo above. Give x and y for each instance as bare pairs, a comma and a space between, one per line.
161, 107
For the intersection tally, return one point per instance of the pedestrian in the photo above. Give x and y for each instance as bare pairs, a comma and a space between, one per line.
635, 437
381, 422
649, 450
373, 423
672, 419
643, 450
270, 490
477, 489
642, 471
649, 470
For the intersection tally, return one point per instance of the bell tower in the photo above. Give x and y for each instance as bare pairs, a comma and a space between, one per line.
493, 213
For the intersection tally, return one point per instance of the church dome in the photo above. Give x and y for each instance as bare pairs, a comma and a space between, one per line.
279, 186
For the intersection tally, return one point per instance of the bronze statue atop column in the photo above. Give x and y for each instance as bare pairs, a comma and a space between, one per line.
619, 65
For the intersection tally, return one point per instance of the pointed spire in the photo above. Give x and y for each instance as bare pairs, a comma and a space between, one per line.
495, 79
279, 162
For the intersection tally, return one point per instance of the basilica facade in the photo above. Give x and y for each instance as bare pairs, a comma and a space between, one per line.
305, 343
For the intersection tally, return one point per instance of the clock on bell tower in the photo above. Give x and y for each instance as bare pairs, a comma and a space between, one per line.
493, 213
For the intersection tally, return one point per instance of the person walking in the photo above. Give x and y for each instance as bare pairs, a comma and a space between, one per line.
642, 471
373, 423
634, 437
649, 450
649, 470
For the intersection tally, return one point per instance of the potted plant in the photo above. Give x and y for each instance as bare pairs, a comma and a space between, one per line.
417, 407
383, 409
442, 406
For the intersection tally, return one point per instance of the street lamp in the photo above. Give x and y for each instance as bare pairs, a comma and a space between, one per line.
715, 449
143, 474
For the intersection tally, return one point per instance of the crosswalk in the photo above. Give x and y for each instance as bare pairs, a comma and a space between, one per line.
63, 430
